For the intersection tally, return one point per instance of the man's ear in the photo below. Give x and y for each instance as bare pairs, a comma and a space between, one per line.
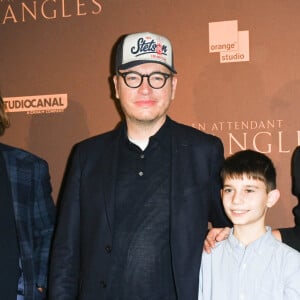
273, 197
115, 79
174, 85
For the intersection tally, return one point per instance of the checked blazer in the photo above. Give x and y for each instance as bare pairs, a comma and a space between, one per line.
34, 212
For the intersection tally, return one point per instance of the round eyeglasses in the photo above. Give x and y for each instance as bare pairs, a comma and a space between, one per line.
134, 79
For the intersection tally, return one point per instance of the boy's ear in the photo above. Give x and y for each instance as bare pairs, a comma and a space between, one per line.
273, 197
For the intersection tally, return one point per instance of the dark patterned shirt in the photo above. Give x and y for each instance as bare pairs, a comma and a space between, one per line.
142, 264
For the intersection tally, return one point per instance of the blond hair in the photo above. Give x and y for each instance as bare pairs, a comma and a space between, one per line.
4, 121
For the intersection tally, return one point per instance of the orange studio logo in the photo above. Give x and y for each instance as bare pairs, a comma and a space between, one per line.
226, 39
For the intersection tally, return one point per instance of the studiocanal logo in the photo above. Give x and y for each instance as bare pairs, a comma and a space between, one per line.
40, 104
18, 11
233, 45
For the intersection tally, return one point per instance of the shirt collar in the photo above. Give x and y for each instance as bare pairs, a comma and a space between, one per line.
260, 245
161, 137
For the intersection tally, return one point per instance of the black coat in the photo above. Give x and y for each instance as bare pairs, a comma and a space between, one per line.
291, 236
81, 255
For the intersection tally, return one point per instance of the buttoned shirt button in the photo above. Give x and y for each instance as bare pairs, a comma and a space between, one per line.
141, 173
103, 284
108, 248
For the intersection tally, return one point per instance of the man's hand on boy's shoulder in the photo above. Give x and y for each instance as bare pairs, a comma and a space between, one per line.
277, 234
215, 235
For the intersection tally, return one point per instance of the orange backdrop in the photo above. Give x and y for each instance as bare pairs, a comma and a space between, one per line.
63, 47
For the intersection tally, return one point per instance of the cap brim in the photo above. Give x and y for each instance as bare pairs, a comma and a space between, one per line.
140, 62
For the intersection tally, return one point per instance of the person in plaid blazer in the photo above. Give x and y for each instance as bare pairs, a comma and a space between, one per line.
33, 213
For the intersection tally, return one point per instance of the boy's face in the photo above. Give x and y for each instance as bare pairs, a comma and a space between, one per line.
246, 200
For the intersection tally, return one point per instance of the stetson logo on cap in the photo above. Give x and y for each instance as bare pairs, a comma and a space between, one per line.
144, 47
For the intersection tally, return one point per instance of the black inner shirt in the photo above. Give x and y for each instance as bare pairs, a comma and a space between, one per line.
142, 264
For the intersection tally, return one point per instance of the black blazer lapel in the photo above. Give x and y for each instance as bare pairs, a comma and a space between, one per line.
109, 173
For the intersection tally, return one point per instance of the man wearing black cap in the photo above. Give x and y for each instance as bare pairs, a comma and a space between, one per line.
137, 200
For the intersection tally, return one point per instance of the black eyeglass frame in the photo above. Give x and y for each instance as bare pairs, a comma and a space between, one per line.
166, 76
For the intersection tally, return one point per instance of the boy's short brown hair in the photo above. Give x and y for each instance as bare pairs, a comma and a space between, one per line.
253, 164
